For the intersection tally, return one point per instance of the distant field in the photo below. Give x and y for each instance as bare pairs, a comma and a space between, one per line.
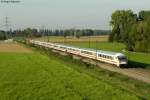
13, 47
32, 76
61, 39
103, 44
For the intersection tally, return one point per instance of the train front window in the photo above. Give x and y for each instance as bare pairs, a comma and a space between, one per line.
122, 58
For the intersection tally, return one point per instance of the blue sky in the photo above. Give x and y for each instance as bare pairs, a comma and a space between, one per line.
64, 14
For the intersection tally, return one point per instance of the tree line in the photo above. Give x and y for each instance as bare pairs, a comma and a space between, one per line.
68, 32
131, 29
32, 32
3, 35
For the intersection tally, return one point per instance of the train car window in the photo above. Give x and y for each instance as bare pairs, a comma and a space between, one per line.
100, 55
104, 56
111, 58
63, 47
72, 49
122, 58
107, 57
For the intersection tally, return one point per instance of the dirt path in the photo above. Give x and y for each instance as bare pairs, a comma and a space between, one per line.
13, 47
136, 73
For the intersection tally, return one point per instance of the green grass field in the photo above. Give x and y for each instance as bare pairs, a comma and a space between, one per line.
35, 76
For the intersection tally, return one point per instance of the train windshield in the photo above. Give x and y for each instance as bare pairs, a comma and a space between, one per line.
122, 58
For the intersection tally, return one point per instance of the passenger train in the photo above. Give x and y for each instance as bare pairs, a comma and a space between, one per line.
114, 58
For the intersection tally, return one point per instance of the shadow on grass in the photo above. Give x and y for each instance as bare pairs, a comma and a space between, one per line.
134, 64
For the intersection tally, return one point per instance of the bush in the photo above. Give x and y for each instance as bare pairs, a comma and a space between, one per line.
3, 36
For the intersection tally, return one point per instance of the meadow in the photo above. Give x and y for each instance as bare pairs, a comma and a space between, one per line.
36, 76
136, 59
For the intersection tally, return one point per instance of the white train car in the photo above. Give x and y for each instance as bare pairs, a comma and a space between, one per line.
73, 50
114, 58
61, 48
89, 53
